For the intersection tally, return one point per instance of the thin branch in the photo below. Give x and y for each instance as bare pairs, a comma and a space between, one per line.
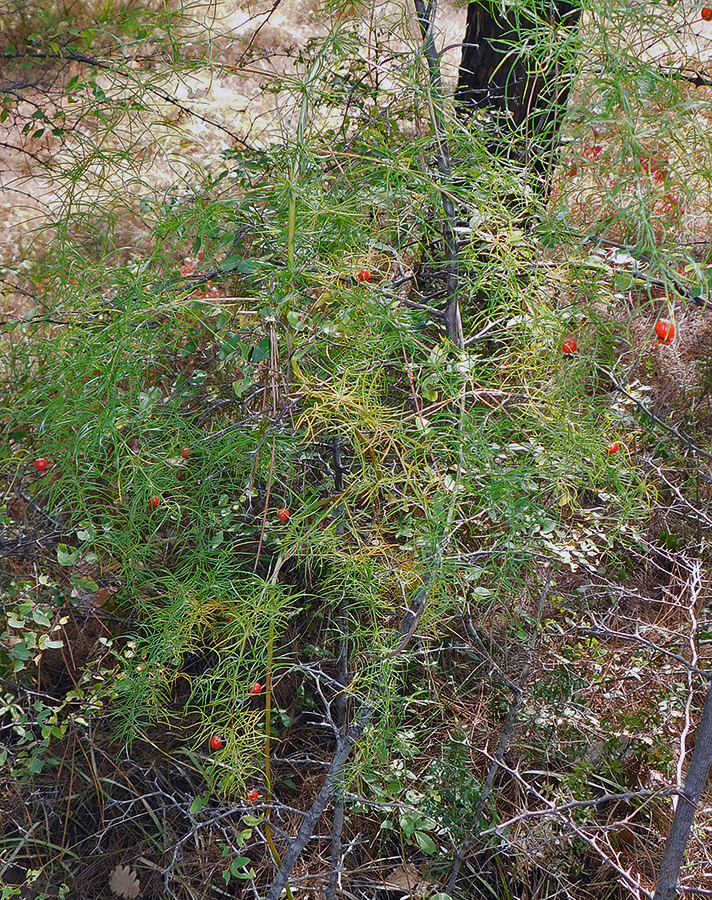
695, 585
603, 631
319, 805
681, 289
514, 707
77, 56
344, 678
653, 418
689, 799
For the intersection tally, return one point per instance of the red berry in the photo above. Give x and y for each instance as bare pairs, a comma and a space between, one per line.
364, 275
256, 688
215, 742
253, 795
41, 464
283, 514
569, 347
612, 448
154, 501
665, 330
185, 452
707, 14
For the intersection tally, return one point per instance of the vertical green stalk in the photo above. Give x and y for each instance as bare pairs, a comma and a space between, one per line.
291, 228
268, 732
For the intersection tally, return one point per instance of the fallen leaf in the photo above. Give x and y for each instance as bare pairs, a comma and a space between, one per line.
407, 877
124, 882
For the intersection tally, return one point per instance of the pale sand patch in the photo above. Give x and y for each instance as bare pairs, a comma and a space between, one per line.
171, 148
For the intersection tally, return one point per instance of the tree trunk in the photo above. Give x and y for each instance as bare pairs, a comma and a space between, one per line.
518, 64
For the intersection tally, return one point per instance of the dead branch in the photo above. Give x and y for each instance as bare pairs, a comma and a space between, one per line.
687, 806
514, 707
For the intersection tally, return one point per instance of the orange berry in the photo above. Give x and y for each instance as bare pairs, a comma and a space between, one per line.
569, 347
665, 330
283, 514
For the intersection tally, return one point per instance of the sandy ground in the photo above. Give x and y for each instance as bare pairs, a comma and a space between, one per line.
173, 148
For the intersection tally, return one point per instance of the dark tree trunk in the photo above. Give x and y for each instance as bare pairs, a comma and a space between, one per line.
518, 64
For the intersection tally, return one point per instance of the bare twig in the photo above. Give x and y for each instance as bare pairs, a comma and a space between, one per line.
653, 418
689, 798
610, 857
514, 707
695, 585
319, 805
343, 679
604, 631
681, 289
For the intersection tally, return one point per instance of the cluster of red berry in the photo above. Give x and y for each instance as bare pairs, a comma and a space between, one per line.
216, 743
665, 333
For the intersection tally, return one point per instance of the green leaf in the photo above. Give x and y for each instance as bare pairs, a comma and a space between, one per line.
67, 556
261, 351
21, 651
50, 645
425, 842
87, 532
623, 281
240, 387
197, 805
41, 617
238, 864
230, 347
243, 266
